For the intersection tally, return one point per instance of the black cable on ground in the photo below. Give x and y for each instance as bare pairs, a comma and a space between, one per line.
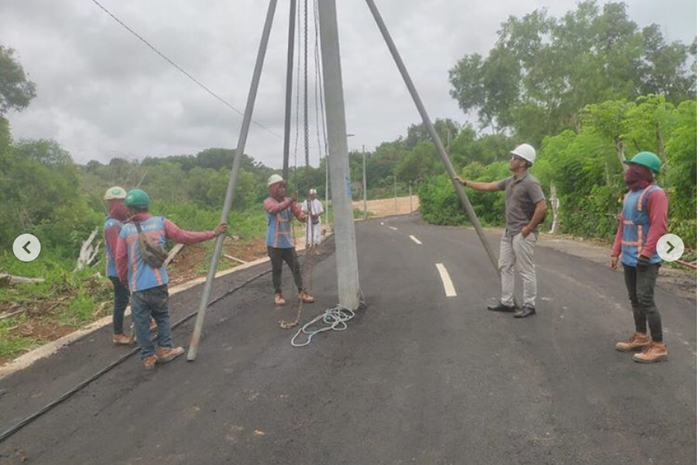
14, 429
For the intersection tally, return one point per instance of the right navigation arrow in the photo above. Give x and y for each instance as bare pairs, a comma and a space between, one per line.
671, 247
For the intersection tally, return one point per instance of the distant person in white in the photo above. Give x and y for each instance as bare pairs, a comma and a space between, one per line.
314, 208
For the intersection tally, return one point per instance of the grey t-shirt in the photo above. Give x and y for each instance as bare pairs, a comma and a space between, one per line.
521, 196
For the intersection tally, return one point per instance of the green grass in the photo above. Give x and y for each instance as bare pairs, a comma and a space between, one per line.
11, 344
66, 298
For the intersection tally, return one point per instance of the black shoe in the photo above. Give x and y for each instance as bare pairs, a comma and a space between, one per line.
524, 312
501, 308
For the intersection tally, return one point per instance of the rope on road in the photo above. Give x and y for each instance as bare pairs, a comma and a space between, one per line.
335, 319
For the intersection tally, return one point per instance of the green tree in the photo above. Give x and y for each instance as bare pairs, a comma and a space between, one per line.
543, 70
16, 90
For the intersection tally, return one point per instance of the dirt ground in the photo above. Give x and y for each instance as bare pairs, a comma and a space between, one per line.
388, 207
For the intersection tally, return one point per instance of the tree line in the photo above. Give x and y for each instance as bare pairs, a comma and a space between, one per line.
587, 89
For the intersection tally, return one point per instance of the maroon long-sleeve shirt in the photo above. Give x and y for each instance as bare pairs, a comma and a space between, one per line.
657, 209
172, 232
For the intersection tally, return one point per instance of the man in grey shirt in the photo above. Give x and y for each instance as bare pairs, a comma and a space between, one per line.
525, 210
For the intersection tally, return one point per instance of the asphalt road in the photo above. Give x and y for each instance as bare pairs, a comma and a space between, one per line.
418, 377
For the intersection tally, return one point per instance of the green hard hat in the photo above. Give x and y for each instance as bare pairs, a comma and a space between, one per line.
137, 198
647, 159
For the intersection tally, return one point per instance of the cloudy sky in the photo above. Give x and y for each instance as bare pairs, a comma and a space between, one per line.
102, 93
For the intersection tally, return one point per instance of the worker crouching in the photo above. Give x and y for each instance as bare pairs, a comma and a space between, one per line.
281, 211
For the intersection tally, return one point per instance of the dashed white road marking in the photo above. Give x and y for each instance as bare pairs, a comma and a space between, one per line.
382, 223
395, 229
414, 239
446, 280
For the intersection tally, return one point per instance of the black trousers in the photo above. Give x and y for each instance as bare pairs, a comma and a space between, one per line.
121, 300
277, 257
640, 282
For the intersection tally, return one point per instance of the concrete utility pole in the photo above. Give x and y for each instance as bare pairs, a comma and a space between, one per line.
346, 250
231, 189
364, 178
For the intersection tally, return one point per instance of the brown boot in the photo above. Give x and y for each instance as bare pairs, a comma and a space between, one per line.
655, 352
306, 297
637, 342
279, 299
122, 339
149, 363
166, 354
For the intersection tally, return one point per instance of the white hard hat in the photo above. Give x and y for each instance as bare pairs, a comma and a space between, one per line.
525, 151
115, 193
312, 191
274, 179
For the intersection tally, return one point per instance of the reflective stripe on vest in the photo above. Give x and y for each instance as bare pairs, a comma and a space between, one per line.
635, 223
279, 230
142, 276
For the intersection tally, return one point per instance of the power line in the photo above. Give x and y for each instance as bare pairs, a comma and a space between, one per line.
192, 78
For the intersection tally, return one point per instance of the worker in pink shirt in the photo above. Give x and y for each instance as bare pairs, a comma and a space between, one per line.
117, 213
642, 223
140, 245
281, 211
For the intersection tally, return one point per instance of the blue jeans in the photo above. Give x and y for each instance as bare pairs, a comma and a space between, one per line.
121, 300
144, 305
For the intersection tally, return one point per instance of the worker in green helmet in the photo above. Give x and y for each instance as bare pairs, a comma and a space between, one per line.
140, 259
642, 223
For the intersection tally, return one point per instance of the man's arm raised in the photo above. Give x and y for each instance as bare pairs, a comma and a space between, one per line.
479, 186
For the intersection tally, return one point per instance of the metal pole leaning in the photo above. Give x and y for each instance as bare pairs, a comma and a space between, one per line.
231, 189
433, 134
346, 250
288, 96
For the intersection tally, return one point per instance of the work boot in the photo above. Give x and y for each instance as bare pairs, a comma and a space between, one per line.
279, 299
525, 311
153, 326
122, 339
638, 341
654, 352
306, 297
149, 363
502, 308
166, 354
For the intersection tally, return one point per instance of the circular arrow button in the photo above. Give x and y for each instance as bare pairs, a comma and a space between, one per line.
670, 247
26, 247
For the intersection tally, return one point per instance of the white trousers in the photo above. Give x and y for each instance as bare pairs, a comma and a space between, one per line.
518, 251
313, 234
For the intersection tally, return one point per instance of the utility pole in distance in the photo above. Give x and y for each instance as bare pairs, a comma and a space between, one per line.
396, 198
346, 249
364, 178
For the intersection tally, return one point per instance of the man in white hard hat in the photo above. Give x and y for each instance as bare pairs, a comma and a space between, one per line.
525, 210
281, 211
314, 209
117, 214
